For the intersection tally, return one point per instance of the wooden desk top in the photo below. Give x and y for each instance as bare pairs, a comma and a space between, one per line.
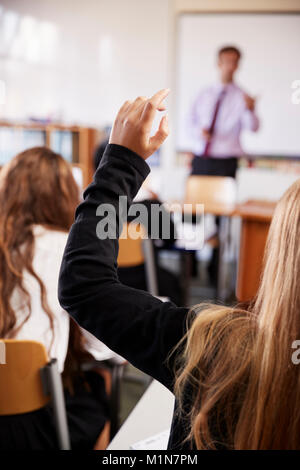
214, 209
256, 210
251, 210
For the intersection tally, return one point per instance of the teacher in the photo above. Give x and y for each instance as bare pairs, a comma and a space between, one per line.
217, 118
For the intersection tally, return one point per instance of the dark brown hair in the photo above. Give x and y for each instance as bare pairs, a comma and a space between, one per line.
226, 49
36, 187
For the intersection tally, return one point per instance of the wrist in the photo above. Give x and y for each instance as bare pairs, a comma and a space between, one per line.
128, 155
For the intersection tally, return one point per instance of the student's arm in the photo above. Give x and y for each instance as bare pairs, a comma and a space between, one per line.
132, 323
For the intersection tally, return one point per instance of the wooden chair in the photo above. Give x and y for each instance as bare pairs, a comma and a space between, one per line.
218, 195
136, 248
29, 381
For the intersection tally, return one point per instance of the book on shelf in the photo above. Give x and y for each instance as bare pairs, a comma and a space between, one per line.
62, 142
15, 140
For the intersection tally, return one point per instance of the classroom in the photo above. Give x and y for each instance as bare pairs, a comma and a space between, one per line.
149, 228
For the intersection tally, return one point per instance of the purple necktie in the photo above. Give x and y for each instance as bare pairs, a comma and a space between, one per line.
213, 122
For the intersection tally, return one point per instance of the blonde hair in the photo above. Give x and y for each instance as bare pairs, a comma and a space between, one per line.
237, 364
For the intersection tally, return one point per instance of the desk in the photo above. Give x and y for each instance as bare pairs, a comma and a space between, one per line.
256, 218
152, 415
215, 209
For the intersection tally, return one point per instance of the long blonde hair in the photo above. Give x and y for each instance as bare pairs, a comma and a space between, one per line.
236, 366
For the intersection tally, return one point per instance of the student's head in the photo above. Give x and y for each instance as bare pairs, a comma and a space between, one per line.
228, 62
238, 364
36, 187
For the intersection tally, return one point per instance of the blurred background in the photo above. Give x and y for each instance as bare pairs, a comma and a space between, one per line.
74, 63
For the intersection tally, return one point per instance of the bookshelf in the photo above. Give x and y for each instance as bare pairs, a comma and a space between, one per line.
75, 143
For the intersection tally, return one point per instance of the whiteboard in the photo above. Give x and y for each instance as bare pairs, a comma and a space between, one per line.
270, 44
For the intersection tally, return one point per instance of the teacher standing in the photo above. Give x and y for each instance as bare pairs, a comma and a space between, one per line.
218, 116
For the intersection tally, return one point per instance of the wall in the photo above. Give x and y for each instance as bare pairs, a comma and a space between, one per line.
79, 60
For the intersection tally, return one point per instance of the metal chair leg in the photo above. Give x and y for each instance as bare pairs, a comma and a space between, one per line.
53, 386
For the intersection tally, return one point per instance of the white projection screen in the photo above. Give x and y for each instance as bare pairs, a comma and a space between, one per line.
270, 67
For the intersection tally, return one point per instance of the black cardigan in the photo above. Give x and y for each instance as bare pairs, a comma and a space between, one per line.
131, 322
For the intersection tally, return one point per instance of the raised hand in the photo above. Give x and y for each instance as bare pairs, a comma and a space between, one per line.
133, 124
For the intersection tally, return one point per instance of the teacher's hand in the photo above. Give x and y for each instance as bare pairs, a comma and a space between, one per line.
249, 102
206, 135
133, 124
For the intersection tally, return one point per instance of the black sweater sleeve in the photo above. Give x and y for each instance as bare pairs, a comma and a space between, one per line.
131, 322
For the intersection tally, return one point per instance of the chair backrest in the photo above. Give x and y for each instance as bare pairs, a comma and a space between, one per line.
212, 191
21, 389
28, 381
131, 249
136, 248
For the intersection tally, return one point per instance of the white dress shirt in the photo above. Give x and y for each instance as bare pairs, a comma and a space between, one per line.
232, 118
48, 252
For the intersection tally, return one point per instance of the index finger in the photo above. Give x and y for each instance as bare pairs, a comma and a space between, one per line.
158, 97
154, 104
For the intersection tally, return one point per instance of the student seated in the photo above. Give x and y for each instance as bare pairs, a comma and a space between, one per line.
135, 276
234, 372
38, 197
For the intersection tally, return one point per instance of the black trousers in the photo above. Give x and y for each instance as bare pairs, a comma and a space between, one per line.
214, 166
